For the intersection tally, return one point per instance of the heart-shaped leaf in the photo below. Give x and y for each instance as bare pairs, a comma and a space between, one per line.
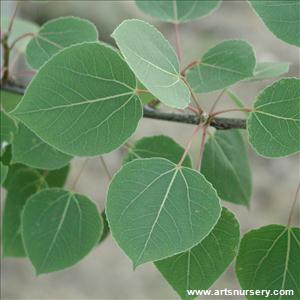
156, 209
274, 124
177, 11
59, 228
153, 61
82, 101
225, 165
21, 184
199, 267
269, 259
281, 17
222, 66
29, 149
56, 35
157, 146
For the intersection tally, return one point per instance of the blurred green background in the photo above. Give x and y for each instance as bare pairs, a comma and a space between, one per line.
106, 273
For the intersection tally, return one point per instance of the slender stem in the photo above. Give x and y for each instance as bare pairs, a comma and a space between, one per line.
158, 114
189, 144
139, 91
6, 54
293, 205
204, 133
189, 66
79, 173
216, 102
178, 42
20, 38
229, 110
105, 167
11, 22
193, 109
200, 110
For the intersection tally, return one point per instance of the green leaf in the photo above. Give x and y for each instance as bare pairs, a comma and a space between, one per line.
8, 130
21, 185
19, 28
144, 97
57, 178
236, 100
29, 149
200, 266
177, 11
153, 61
274, 124
156, 209
82, 101
9, 100
222, 66
281, 17
105, 231
3, 172
269, 259
57, 34
59, 228
267, 70
225, 164
157, 146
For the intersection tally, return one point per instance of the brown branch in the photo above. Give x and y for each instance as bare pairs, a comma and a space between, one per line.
149, 112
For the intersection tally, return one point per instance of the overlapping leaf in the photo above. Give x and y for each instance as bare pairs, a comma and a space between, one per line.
269, 259
29, 149
157, 146
82, 101
177, 11
3, 172
222, 66
281, 17
200, 266
267, 70
153, 61
56, 35
274, 124
156, 209
21, 184
9, 100
59, 228
57, 178
225, 165
8, 130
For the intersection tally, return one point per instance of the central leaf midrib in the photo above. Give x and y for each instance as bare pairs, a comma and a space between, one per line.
158, 215
15, 112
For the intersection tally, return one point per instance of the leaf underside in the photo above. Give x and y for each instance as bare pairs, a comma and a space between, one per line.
269, 259
200, 266
281, 17
153, 61
56, 35
225, 165
59, 228
157, 146
274, 124
221, 66
82, 101
20, 185
156, 209
177, 11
